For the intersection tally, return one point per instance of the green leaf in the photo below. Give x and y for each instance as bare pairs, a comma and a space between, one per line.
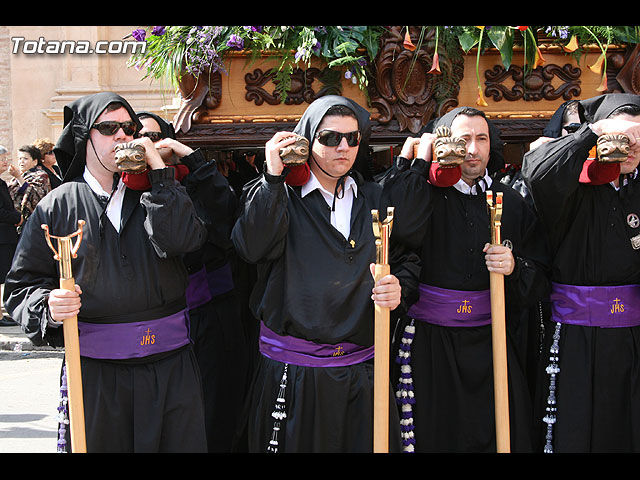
468, 41
502, 39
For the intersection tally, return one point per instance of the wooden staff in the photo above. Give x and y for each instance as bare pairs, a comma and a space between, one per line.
382, 232
499, 334
65, 252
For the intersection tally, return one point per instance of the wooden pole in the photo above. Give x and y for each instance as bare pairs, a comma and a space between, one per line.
64, 253
381, 383
499, 335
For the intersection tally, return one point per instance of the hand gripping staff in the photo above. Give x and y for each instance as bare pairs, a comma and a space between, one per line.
382, 232
65, 252
498, 333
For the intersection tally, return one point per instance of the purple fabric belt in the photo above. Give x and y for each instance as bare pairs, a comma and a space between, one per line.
198, 292
304, 353
607, 307
220, 280
452, 308
118, 341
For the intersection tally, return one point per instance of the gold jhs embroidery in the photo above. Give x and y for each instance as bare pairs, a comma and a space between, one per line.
339, 351
148, 339
465, 308
617, 307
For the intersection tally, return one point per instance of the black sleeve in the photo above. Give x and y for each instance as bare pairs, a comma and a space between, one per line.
171, 222
261, 229
552, 172
34, 273
214, 200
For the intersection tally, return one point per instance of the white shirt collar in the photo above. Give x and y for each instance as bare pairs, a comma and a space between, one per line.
114, 209
313, 184
464, 187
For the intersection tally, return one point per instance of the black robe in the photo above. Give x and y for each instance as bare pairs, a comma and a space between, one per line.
136, 274
597, 397
451, 367
220, 340
315, 285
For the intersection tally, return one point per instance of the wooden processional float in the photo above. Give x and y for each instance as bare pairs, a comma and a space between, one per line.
64, 253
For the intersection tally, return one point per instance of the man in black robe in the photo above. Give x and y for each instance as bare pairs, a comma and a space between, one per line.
141, 384
445, 388
217, 331
312, 240
589, 396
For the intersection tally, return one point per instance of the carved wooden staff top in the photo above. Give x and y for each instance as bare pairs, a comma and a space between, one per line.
382, 232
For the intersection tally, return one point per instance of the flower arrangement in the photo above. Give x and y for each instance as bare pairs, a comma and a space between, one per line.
172, 51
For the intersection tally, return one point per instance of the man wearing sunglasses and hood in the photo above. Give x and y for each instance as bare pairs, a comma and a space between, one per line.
141, 384
589, 395
445, 355
310, 233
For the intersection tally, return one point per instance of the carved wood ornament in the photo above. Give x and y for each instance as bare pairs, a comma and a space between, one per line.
402, 88
536, 85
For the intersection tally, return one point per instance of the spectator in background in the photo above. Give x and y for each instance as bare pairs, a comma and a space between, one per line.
30, 182
49, 160
9, 217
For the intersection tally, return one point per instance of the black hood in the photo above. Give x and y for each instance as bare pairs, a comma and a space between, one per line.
601, 107
79, 116
556, 122
165, 127
313, 115
496, 153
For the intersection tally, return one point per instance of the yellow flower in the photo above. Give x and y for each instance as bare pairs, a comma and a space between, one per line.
572, 46
480, 100
597, 67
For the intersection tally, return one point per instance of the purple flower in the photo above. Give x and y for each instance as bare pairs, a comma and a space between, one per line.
158, 30
235, 42
139, 34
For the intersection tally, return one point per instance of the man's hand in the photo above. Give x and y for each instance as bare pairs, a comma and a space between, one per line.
272, 151
499, 259
64, 304
387, 291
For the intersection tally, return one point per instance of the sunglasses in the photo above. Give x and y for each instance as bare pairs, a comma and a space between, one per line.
330, 138
154, 136
110, 127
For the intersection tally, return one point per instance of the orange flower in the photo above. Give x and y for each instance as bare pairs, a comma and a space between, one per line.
603, 83
539, 59
572, 46
408, 44
480, 100
435, 67
522, 29
597, 67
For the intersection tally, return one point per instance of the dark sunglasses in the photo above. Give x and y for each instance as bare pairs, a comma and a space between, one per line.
154, 136
330, 138
110, 127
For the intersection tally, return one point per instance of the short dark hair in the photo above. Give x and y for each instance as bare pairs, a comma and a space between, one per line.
472, 112
33, 151
628, 109
340, 111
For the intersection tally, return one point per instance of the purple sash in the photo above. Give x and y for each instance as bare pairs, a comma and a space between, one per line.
607, 307
198, 292
220, 280
117, 341
301, 352
452, 308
